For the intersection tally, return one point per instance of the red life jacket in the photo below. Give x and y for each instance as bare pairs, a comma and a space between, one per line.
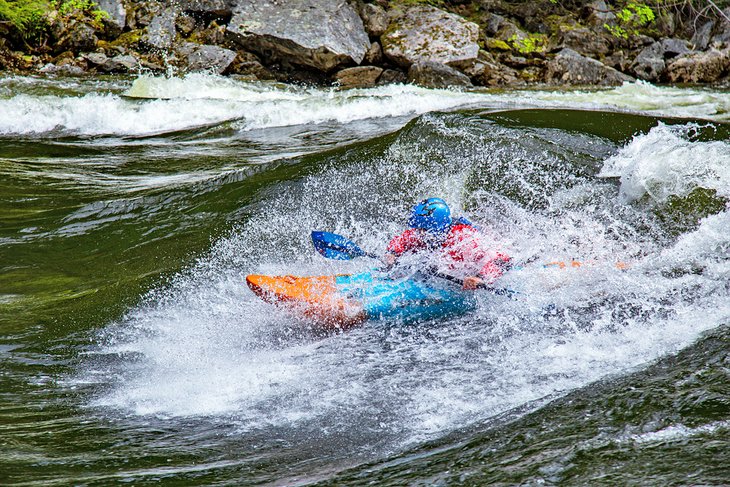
460, 244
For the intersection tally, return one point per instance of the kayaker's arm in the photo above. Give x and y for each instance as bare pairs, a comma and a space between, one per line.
389, 259
489, 273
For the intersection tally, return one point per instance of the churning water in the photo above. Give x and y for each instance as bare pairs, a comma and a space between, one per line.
133, 209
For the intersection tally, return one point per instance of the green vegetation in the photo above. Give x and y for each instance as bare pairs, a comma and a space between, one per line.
78, 8
29, 16
32, 17
630, 18
530, 44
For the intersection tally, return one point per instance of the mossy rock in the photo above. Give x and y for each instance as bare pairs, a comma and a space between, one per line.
493, 44
129, 39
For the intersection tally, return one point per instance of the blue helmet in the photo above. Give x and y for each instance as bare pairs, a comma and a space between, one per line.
432, 214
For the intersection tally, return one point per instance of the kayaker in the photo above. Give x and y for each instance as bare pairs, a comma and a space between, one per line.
432, 229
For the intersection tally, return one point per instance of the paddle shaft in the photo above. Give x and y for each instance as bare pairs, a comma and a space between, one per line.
334, 246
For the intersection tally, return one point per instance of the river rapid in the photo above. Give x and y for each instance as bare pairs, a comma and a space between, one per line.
131, 210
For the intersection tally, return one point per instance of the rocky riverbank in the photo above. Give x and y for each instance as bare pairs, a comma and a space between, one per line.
361, 44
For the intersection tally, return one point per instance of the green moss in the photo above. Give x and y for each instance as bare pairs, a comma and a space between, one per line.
128, 39
528, 45
433, 3
497, 45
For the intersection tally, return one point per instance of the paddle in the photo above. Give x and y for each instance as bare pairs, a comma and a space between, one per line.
337, 247
334, 246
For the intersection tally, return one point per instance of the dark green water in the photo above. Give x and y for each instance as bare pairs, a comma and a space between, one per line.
132, 351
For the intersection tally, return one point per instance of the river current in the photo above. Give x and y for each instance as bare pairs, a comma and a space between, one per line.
131, 210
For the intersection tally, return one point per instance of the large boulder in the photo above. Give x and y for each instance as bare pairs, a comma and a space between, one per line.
161, 30
198, 57
571, 68
322, 34
77, 37
586, 41
699, 67
650, 63
436, 75
358, 77
116, 10
422, 33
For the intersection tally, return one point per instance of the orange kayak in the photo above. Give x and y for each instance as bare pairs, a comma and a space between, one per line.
343, 301
316, 298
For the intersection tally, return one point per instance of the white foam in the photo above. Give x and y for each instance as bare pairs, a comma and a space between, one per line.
99, 114
644, 97
206, 346
158, 105
668, 162
678, 432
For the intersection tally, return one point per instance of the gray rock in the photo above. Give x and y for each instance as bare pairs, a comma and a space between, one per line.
492, 23
392, 76
649, 63
115, 9
64, 70
358, 77
78, 37
322, 34
117, 64
699, 67
197, 57
598, 13
587, 42
161, 30
143, 14
423, 33
374, 19
571, 68
207, 8
509, 32
701, 37
123, 63
436, 75
185, 24
374, 54
618, 60
249, 66
96, 58
674, 47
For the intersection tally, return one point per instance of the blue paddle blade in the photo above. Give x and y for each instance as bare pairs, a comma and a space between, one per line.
333, 246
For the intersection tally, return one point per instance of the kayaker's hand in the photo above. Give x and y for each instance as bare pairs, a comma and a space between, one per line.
389, 259
472, 282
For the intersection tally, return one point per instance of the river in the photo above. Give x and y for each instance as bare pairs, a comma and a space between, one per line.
131, 210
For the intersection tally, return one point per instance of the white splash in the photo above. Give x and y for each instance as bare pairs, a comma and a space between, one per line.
643, 97
158, 105
668, 162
